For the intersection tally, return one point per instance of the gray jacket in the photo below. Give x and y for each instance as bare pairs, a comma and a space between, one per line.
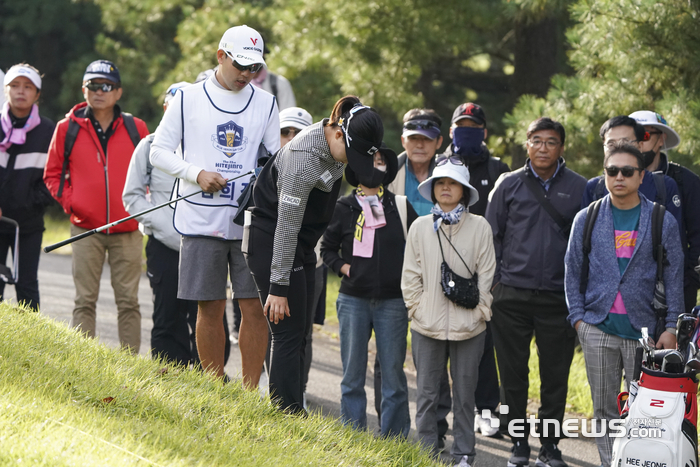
158, 223
530, 246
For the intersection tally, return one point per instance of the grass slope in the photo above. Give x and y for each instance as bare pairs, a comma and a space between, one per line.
67, 400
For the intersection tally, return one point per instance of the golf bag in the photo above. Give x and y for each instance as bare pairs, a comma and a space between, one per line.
660, 411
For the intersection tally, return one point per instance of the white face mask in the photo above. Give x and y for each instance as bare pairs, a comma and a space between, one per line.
381, 168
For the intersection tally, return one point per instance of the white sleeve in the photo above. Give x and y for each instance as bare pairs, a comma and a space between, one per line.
167, 139
271, 139
137, 179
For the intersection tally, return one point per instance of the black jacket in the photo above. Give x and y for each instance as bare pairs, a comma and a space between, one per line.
530, 246
484, 170
689, 188
378, 277
23, 195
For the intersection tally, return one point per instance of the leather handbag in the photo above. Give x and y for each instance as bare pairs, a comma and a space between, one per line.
460, 290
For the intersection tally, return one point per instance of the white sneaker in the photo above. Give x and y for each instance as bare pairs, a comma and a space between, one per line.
464, 462
483, 425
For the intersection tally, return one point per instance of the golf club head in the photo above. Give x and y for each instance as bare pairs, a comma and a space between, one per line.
692, 365
673, 362
685, 327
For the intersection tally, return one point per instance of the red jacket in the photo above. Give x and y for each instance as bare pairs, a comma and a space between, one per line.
92, 194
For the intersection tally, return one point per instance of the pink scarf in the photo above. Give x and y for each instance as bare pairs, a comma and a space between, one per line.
259, 77
16, 135
371, 218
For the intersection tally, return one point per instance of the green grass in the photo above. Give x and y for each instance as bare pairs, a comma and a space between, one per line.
57, 229
68, 400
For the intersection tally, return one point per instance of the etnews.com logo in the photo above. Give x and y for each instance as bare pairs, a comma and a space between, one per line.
575, 427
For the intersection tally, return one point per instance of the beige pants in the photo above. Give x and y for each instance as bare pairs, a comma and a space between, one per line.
124, 256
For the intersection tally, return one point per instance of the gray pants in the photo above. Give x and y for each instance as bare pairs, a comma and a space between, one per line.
430, 358
606, 355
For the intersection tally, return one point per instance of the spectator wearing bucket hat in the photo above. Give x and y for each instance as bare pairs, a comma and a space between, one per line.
294, 199
88, 179
421, 140
440, 328
24, 142
530, 211
468, 133
222, 124
362, 245
659, 137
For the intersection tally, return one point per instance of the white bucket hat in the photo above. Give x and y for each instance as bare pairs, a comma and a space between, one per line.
649, 118
457, 172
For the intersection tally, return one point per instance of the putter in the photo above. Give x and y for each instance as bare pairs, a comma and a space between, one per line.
120, 221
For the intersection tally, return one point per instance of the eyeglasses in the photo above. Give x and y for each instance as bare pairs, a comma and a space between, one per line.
290, 131
254, 68
627, 171
104, 87
613, 143
647, 134
442, 160
420, 125
549, 144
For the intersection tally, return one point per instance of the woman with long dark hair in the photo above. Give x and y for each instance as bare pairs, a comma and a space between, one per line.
24, 141
294, 198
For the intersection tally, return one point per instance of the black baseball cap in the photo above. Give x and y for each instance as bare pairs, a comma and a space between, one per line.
360, 152
102, 69
471, 111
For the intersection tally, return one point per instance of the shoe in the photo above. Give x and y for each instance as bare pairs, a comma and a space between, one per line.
464, 462
550, 456
521, 454
484, 425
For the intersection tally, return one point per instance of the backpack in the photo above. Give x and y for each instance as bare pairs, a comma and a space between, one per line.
72, 135
657, 225
659, 182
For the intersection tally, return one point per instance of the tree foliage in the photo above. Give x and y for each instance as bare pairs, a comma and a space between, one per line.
628, 55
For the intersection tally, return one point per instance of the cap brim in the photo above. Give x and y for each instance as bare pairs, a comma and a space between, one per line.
469, 117
245, 59
293, 124
89, 76
419, 131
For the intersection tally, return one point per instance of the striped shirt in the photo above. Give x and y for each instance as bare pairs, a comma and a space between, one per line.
307, 181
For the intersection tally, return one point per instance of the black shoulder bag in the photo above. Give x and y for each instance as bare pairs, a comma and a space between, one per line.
460, 290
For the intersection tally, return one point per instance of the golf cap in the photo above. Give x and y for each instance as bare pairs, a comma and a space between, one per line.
360, 152
649, 118
102, 69
170, 93
421, 126
471, 111
458, 173
245, 45
295, 117
23, 70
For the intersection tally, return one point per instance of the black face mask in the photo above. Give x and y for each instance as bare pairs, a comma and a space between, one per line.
648, 158
374, 181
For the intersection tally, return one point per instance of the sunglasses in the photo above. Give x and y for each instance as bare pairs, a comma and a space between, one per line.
254, 68
289, 131
455, 160
420, 125
104, 87
627, 171
647, 134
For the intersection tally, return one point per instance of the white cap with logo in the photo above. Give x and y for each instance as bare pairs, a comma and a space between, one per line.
243, 44
295, 117
22, 70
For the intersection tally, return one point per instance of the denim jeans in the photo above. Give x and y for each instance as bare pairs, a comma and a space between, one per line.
389, 319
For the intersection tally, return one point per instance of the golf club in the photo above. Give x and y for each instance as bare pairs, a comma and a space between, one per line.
109, 226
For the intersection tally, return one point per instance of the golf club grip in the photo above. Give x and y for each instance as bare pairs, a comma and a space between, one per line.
69, 241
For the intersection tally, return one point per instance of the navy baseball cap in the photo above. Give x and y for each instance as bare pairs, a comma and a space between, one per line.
102, 69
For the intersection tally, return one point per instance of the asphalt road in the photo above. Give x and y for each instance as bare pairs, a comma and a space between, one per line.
323, 391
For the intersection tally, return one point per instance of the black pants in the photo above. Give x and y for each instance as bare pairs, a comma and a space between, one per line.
289, 335
27, 286
174, 320
517, 315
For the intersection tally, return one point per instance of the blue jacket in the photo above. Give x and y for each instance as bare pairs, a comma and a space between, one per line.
636, 284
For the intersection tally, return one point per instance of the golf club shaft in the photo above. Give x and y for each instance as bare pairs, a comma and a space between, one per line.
68, 241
